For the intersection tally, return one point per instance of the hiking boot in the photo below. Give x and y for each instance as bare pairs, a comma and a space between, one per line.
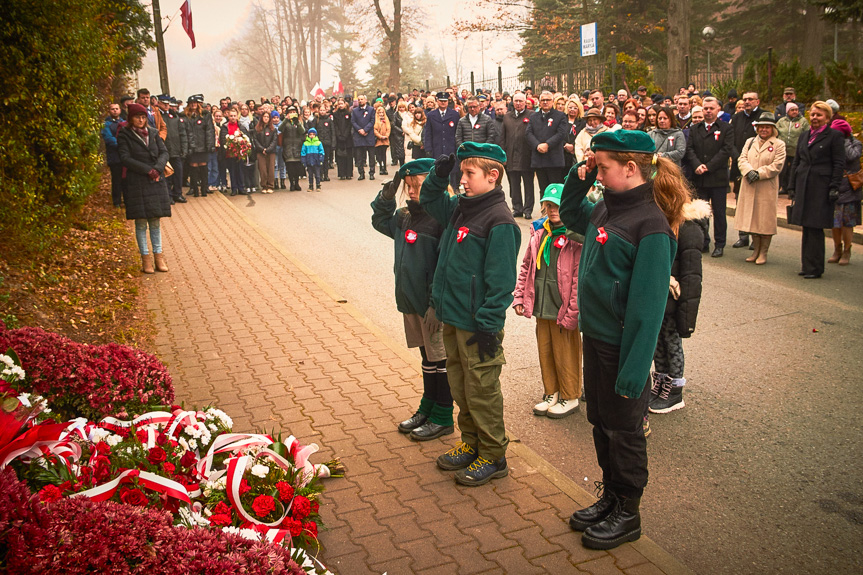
622, 525
562, 408
430, 430
657, 381
670, 398
458, 457
416, 420
548, 400
481, 471
589, 516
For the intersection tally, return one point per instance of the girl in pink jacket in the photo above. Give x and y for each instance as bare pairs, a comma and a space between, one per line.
547, 289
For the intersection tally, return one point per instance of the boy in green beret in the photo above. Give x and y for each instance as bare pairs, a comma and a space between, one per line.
417, 237
471, 292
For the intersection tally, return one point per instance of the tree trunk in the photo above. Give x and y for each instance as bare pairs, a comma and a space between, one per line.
678, 44
813, 40
394, 37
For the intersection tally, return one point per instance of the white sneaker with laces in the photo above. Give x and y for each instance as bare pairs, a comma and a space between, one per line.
548, 400
562, 408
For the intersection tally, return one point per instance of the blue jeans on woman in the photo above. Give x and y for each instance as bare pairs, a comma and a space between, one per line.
141, 225
280, 165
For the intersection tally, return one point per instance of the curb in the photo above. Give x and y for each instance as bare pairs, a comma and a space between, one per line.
658, 556
782, 222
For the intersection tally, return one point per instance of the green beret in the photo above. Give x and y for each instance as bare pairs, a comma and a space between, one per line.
477, 150
416, 167
552, 194
634, 141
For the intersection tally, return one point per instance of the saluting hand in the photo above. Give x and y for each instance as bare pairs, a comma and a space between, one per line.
390, 187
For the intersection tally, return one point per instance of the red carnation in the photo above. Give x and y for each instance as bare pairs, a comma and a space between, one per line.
156, 455
263, 505
49, 494
286, 491
244, 487
312, 528
301, 507
222, 509
169, 467
315, 506
103, 448
220, 519
141, 434
188, 459
293, 526
133, 497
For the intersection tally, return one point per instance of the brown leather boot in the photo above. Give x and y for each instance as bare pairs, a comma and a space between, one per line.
161, 266
147, 264
837, 253
763, 247
846, 256
756, 244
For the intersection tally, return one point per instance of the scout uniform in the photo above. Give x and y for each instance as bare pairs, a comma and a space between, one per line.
472, 290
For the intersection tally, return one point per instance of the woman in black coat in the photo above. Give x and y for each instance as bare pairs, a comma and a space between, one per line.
344, 140
293, 134
265, 140
144, 155
816, 177
202, 142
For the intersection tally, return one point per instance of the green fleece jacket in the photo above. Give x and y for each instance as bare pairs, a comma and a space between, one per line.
624, 272
477, 268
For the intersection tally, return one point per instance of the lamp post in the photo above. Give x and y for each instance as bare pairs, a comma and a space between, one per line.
708, 33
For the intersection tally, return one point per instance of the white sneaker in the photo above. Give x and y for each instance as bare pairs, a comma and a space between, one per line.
562, 408
546, 403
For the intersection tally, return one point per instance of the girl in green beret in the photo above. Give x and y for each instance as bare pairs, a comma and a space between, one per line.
623, 284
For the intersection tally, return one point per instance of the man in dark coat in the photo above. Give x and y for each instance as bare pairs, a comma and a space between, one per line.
176, 141
816, 176
475, 126
112, 156
518, 157
546, 135
743, 129
324, 127
439, 132
363, 122
708, 149
789, 96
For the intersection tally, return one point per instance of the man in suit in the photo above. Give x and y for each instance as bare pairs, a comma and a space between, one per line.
363, 122
546, 134
518, 156
708, 149
439, 132
743, 129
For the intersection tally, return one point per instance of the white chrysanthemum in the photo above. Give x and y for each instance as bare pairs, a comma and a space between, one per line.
212, 427
193, 444
98, 434
113, 440
191, 519
183, 443
7, 360
260, 470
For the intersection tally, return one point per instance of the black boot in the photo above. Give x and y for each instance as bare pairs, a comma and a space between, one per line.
622, 525
282, 184
362, 176
590, 516
202, 179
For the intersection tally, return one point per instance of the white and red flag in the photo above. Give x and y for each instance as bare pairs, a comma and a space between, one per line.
186, 13
337, 87
318, 90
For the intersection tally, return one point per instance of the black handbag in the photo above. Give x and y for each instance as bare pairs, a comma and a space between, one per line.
788, 209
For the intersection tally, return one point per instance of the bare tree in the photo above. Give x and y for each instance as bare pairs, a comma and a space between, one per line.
678, 43
393, 33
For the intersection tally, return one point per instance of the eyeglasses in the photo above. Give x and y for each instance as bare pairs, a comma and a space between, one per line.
545, 99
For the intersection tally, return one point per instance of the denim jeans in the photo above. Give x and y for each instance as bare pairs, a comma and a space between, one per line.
213, 169
236, 171
314, 175
141, 225
280, 165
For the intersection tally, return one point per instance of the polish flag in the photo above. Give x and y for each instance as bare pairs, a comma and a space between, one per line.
186, 13
318, 90
338, 88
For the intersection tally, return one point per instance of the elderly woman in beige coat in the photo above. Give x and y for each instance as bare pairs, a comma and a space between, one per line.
760, 164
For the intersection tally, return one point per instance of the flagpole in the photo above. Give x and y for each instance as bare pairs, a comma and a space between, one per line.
160, 48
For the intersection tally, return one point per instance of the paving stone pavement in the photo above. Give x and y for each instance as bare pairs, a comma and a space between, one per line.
243, 325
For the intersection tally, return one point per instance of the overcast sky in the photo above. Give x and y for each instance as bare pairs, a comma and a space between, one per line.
218, 21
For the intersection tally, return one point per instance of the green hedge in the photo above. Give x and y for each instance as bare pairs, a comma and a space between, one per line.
57, 62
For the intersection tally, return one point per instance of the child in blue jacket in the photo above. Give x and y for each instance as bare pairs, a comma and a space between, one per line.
312, 156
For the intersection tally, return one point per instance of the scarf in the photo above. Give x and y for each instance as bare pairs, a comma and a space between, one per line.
814, 133
143, 132
545, 247
593, 131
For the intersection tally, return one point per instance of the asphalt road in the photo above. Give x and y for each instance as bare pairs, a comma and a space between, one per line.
761, 472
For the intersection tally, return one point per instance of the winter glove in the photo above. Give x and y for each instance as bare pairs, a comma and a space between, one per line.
153, 175
486, 343
790, 194
752, 176
674, 288
388, 192
444, 165
834, 195
431, 322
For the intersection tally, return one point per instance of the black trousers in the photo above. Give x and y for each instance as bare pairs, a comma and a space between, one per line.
345, 164
618, 435
116, 184
546, 176
519, 203
718, 198
785, 174
175, 182
361, 153
812, 251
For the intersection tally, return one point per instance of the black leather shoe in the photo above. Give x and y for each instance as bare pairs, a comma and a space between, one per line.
371, 176
741, 242
516, 213
705, 248
362, 177
801, 273
717, 253
416, 420
622, 525
181, 200
589, 516
527, 215
430, 430
811, 276
233, 193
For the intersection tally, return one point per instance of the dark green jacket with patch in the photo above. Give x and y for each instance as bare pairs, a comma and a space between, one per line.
417, 236
477, 268
624, 272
